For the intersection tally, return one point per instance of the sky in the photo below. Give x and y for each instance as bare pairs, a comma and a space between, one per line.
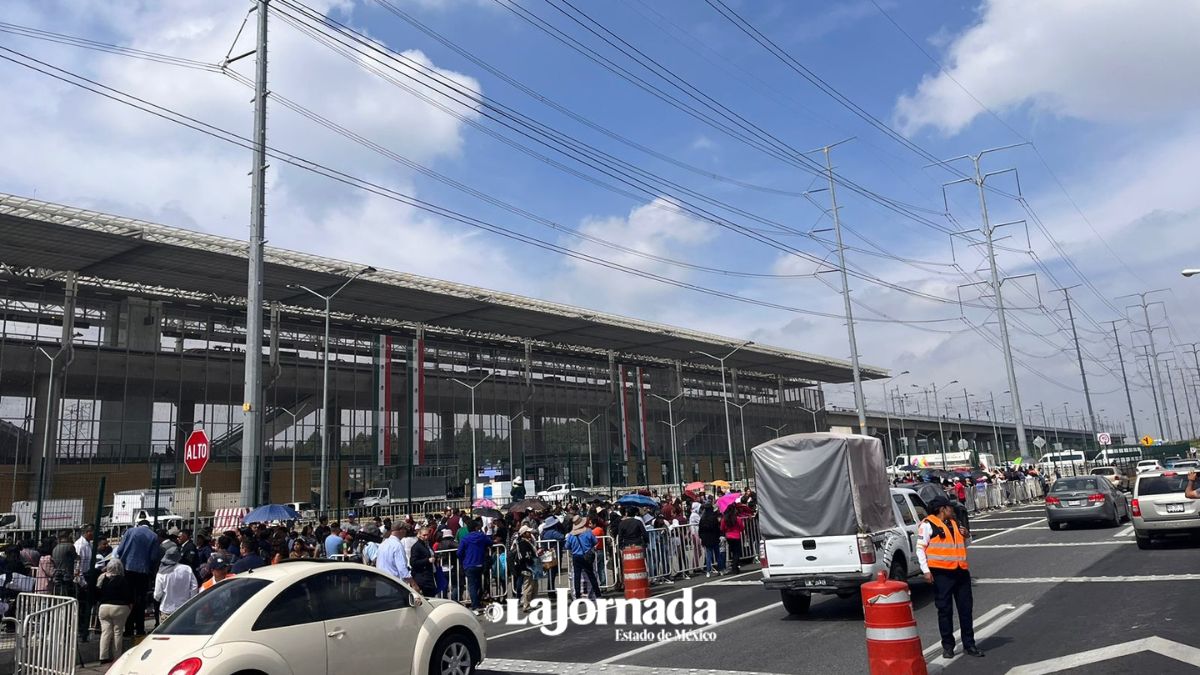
664, 139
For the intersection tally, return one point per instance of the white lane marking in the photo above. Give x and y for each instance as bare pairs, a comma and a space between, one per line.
656, 645
1054, 543
988, 529
1013, 529
1169, 648
562, 668
1124, 533
1086, 580
992, 520
986, 632
744, 582
980, 621
713, 582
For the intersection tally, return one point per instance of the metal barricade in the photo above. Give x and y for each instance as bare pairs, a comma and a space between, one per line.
498, 576
750, 537
558, 575
47, 627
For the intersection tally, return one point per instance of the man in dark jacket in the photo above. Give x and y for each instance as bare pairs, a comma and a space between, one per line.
420, 563
631, 531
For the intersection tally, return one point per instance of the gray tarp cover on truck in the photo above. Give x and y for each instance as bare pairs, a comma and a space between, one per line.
816, 485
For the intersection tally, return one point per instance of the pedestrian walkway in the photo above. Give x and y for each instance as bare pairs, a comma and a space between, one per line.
539, 667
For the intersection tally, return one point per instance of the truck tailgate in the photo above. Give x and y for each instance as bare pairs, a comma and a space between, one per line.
812, 555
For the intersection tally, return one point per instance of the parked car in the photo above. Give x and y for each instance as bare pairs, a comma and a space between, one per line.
1160, 507
311, 618
1183, 464
1114, 476
556, 492
1148, 465
1075, 499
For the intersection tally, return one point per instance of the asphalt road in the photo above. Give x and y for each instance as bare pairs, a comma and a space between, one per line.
1085, 599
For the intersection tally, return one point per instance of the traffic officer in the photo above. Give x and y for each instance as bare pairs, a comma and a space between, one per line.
942, 553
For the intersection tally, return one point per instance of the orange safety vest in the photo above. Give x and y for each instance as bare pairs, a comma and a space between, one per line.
948, 551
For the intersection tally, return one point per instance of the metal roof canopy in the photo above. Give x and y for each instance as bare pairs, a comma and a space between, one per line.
40, 234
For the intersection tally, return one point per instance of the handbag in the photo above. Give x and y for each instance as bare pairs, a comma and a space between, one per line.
590, 557
549, 559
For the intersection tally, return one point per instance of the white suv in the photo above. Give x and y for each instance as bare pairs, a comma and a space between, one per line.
556, 492
1160, 507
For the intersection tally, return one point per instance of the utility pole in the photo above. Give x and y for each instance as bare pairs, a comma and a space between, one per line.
1153, 353
1153, 392
1125, 380
253, 395
1195, 349
1087, 394
1174, 401
837, 228
1187, 400
988, 231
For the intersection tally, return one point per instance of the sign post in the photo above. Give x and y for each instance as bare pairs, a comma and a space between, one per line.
1104, 438
1147, 440
195, 458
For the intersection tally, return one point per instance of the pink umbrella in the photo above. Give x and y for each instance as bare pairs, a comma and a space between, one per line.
725, 500
484, 503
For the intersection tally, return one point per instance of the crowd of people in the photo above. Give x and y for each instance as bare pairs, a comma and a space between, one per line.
471, 556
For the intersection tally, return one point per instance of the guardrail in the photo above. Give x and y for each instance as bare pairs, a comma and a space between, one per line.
46, 628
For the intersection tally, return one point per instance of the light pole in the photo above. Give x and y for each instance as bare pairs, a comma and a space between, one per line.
589, 435
325, 383
887, 417
725, 399
47, 431
294, 420
742, 423
938, 409
775, 430
512, 467
814, 416
678, 476
474, 433
1190, 272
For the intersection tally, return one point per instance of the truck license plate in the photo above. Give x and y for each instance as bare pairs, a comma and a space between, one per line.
1174, 508
816, 582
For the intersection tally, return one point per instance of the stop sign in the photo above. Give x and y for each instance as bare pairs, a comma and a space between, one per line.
195, 451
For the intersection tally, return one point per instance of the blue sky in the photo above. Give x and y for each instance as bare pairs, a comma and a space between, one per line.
1096, 86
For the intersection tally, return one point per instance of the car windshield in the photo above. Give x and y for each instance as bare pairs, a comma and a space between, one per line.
1162, 485
1074, 484
1105, 471
376, 492
205, 613
157, 512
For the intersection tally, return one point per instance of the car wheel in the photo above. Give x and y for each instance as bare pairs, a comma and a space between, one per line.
452, 656
1144, 543
796, 602
1053, 525
898, 570
1116, 519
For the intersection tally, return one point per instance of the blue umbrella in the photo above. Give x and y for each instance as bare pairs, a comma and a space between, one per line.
634, 499
271, 512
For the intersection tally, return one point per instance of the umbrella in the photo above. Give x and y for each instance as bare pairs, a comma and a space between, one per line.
269, 512
485, 511
927, 491
725, 500
721, 483
910, 468
579, 494
694, 487
634, 499
527, 505
484, 503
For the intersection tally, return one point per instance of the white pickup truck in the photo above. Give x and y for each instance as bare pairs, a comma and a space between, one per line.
839, 564
828, 519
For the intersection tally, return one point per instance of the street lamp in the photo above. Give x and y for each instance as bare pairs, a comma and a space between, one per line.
474, 433
589, 435
937, 405
887, 416
512, 467
325, 384
1190, 272
678, 476
742, 423
293, 425
775, 430
725, 399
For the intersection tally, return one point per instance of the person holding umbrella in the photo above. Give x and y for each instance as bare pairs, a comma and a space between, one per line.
582, 545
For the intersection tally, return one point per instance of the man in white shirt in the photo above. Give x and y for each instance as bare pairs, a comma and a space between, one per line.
174, 585
391, 555
84, 568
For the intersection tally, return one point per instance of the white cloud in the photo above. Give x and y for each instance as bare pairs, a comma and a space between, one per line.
1097, 60
654, 229
77, 148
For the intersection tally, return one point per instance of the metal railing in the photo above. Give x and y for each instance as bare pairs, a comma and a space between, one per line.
47, 627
